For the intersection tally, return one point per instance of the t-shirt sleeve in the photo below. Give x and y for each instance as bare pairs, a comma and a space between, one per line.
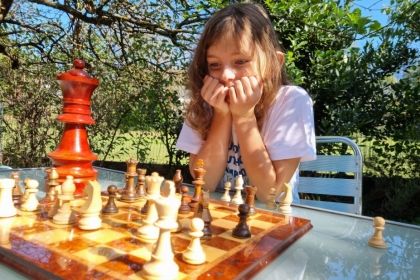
188, 140
290, 129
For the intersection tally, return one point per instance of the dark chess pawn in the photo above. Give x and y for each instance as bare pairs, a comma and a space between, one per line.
145, 208
242, 230
184, 208
111, 207
141, 187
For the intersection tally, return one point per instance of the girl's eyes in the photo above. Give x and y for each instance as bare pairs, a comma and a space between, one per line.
238, 62
241, 61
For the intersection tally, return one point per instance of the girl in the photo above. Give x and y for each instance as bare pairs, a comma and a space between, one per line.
244, 116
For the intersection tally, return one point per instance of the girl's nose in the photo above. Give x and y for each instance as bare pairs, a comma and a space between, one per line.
228, 75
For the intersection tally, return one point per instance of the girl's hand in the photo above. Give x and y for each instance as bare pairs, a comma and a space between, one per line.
244, 95
214, 93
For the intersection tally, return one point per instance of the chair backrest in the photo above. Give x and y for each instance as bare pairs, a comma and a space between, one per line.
321, 182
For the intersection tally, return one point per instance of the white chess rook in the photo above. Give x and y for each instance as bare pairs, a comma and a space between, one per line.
7, 208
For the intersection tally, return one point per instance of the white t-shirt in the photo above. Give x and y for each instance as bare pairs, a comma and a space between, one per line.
288, 132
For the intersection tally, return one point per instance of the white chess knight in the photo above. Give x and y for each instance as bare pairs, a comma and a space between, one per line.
237, 198
91, 208
7, 208
31, 203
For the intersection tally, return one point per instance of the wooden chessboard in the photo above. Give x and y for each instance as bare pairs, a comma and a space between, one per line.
34, 245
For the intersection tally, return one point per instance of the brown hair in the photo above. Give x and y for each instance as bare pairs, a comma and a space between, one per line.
241, 21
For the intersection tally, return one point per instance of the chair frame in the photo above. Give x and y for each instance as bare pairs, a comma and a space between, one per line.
334, 186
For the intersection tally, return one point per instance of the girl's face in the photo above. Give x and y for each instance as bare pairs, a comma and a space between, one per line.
228, 63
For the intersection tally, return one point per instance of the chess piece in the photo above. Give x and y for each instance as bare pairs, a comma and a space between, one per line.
168, 191
91, 209
203, 212
7, 207
250, 199
130, 194
141, 179
271, 203
31, 203
52, 184
162, 264
194, 253
111, 207
148, 232
286, 199
65, 215
375, 255
237, 198
73, 155
57, 203
199, 173
5, 225
184, 208
226, 196
25, 193
178, 179
377, 240
242, 230
17, 191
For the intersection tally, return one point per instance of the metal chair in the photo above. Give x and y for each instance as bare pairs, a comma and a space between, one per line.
323, 188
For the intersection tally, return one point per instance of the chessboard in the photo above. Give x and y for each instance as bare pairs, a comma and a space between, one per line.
32, 244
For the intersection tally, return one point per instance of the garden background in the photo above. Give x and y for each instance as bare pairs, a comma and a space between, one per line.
363, 77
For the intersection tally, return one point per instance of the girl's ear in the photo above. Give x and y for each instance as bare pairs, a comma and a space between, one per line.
280, 55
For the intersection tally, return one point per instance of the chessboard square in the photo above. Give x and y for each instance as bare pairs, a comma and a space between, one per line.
228, 235
103, 235
54, 236
213, 253
259, 224
218, 215
179, 244
144, 253
99, 254
124, 265
225, 223
126, 244
75, 245
233, 218
129, 217
268, 218
222, 243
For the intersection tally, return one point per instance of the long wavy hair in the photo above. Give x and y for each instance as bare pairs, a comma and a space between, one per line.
240, 21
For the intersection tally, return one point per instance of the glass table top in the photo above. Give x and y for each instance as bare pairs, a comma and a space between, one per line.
335, 248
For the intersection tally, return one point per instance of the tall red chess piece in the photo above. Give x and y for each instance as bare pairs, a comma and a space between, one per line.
73, 155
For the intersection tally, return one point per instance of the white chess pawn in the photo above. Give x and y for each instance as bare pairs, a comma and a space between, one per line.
194, 253
286, 199
271, 203
31, 203
7, 207
237, 198
65, 215
226, 196
377, 240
